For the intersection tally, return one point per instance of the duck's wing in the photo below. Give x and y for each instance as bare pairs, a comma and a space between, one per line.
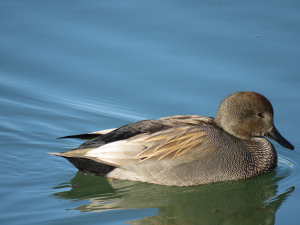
172, 143
147, 127
167, 144
144, 140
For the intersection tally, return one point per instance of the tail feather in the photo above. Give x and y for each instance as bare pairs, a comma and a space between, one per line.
82, 136
89, 136
86, 165
54, 153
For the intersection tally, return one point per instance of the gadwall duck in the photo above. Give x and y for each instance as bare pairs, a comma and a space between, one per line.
187, 150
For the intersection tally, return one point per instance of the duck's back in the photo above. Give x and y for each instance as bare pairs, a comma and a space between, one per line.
145, 127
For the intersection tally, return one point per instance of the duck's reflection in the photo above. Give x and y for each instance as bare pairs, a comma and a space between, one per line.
252, 201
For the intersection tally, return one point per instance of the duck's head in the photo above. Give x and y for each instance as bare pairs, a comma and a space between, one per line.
248, 114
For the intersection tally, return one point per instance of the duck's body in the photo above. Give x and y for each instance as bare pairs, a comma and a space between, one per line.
187, 150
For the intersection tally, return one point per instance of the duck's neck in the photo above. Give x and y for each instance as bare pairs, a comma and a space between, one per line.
263, 154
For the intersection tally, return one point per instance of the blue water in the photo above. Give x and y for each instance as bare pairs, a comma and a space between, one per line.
71, 67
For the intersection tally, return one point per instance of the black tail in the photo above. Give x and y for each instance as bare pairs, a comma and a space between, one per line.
90, 167
82, 136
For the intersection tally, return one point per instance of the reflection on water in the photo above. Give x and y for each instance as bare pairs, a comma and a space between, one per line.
253, 201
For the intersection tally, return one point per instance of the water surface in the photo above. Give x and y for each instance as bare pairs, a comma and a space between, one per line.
70, 67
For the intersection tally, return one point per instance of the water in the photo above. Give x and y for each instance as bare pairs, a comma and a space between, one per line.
70, 67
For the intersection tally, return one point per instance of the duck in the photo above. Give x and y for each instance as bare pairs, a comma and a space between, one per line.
186, 150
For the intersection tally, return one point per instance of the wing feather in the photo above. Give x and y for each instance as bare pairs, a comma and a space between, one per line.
172, 143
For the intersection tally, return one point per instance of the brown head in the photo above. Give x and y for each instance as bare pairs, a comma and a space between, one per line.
248, 114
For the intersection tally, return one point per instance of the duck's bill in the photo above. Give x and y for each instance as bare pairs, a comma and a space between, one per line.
276, 136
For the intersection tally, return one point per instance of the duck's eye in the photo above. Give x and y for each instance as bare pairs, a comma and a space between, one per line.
260, 115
